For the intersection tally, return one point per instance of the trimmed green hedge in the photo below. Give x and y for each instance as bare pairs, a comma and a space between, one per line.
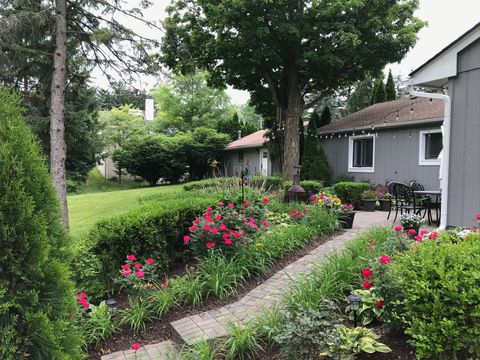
153, 229
268, 182
208, 183
351, 192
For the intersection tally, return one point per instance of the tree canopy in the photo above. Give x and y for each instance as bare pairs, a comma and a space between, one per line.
288, 54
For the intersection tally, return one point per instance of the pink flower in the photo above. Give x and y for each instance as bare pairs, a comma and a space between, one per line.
235, 213
367, 285
313, 197
196, 221
418, 238
366, 273
81, 296
433, 235
398, 228
186, 239
210, 244
220, 203
237, 234
228, 241
412, 232
209, 209
379, 304
266, 200
477, 217
214, 231
149, 261
131, 258
423, 232
231, 206
218, 217
84, 303
136, 347
246, 203
140, 274
251, 221
385, 259
164, 284
137, 266
126, 267
223, 227
265, 223
127, 272
226, 235
206, 227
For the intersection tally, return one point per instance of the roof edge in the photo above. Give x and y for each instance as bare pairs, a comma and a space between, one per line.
386, 126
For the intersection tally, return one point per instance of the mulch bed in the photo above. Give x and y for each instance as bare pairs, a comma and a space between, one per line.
395, 340
159, 330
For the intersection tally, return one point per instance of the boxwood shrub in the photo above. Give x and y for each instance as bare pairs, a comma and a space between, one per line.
351, 192
271, 183
209, 183
153, 229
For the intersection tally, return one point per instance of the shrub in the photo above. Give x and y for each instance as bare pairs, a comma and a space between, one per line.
37, 303
311, 186
343, 178
152, 230
270, 183
314, 160
210, 183
351, 192
440, 288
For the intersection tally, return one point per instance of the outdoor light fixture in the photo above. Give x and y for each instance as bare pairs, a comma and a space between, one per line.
354, 302
111, 304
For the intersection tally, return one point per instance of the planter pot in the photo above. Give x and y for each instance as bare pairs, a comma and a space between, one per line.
346, 220
368, 205
385, 204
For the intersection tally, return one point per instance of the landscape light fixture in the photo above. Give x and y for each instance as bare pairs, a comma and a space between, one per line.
111, 304
354, 302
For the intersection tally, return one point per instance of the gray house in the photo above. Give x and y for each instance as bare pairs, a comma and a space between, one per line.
396, 140
251, 150
456, 71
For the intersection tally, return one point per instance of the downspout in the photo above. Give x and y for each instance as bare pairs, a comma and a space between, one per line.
446, 150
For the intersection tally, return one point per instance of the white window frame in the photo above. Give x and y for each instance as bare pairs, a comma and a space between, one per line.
353, 169
421, 149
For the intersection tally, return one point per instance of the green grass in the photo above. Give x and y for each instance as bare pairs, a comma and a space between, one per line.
97, 183
86, 209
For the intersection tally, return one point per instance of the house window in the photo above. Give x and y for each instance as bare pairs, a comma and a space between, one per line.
240, 156
361, 154
431, 143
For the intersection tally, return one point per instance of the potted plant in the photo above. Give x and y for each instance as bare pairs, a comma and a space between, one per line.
369, 200
411, 221
384, 197
346, 216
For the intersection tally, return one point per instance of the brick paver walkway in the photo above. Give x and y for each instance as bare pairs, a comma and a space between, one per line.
213, 323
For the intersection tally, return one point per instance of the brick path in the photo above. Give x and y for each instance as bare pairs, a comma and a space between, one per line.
213, 323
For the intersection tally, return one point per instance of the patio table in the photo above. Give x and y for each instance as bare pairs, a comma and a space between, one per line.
436, 194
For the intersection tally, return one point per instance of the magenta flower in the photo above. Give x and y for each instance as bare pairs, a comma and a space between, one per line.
398, 228
140, 274
131, 258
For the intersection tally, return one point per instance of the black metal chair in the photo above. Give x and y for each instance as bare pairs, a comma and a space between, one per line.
389, 184
407, 201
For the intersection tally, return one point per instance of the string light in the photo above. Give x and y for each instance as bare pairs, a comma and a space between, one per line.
345, 134
339, 136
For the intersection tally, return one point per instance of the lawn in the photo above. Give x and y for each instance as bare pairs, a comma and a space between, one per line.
97, 183
86, 209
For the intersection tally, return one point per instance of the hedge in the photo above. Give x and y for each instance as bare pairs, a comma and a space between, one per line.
209, 183
153, 229
351, 192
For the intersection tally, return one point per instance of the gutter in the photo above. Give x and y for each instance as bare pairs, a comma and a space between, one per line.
446, 150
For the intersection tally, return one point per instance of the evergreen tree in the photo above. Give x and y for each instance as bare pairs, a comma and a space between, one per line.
38, 307
360, 98
314, 160
378, 93
391, 93
326, 117
316, 118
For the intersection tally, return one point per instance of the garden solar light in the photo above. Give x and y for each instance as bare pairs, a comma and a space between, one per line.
354, 301
111, 304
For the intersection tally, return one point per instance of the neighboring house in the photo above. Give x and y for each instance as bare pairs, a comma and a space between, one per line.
250, 149
395, 140
457, 69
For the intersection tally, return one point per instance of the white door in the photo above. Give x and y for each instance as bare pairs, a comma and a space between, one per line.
264, 162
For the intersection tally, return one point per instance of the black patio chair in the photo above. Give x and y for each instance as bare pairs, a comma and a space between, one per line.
407, 201
389, 184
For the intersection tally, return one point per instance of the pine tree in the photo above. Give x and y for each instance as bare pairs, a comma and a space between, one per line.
378, 93
360, 98
37, 299
316, 118
314, 160
326, 117
391, 93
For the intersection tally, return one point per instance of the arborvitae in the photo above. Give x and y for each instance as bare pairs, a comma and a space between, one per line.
314, 161
390, 90
378, 93
315, 117
326, 117
37, 303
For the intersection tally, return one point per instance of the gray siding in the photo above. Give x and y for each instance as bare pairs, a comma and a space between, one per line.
464, 179
396, 158
232, 167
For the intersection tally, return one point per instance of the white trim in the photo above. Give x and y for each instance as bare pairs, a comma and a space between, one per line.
421, 149
262, 151
353, 169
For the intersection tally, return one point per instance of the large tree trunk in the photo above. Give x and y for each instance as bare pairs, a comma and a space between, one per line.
58, 147
291, 147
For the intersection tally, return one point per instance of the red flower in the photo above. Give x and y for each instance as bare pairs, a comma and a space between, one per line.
231, 206
220, 203
412, 232
237, 234
126, 267
165, 284
379, 304
433, 235
137, 266
192, 228
228, 241
418, 238
149, 261
246, 203
474, 229
223, 227
218, 217
140, 274
84, 303
266, 200
385, 259
366, 273
131, 258
367, 284
81, 296
196, 221
398, 228
226, 235
209, 209
214, 231
206, 227
265, 223
477, 217
210, 244
423, 232
127, 272
135, 346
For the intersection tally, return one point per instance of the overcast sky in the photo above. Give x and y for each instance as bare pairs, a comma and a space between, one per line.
447, 20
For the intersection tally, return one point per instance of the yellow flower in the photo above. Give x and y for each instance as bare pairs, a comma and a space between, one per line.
258, 245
